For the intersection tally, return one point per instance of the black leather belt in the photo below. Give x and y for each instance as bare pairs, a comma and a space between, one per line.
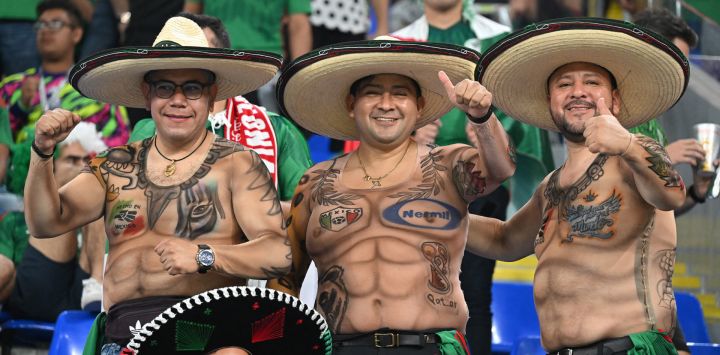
387, 339
605, 347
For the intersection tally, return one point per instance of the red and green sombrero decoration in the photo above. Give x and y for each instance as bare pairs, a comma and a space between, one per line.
258, 320
115, 75
651, 72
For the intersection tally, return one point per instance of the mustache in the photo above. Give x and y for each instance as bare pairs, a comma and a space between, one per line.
581, 103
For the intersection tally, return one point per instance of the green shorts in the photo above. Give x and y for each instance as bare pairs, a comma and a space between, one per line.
651, 342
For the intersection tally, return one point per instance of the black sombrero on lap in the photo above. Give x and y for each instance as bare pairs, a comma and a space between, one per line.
313, 88
261, 321
114, 76
651, 73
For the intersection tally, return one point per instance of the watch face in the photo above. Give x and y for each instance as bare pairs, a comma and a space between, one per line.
206, 257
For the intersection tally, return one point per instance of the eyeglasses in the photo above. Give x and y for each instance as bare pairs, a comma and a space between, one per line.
52, 25
166, 89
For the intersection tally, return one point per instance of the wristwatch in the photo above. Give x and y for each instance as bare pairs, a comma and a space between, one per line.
205, 258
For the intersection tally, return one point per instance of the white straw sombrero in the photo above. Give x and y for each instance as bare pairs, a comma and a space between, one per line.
114, 76
313, 88
259, 320
651, 73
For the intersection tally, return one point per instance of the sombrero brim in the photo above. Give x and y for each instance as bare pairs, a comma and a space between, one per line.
312, 89
651, 72
262, 321
115, 76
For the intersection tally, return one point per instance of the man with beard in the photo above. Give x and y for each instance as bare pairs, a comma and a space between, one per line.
603, 284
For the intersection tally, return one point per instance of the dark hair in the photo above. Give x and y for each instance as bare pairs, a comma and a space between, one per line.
362, 81
667, 24
213, 23
65, 5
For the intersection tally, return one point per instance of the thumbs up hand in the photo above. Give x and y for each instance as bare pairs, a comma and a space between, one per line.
604, 134
468, 95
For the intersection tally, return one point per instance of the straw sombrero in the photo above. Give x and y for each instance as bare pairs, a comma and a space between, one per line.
114, 75
313, 88
650, 71
259, 320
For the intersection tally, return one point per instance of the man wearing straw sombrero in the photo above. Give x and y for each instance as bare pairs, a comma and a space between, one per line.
602, 225
386, 225
185, 211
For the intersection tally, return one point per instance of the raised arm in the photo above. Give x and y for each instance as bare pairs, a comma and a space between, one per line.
297, 225
657, 181
49, 210
508, 241
496, 160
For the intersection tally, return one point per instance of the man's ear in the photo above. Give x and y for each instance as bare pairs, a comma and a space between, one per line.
77, 34
420, 104
145, 88
616, 102
350, 105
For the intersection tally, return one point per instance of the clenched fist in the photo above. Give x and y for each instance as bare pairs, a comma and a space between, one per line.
604, 134
177, 256
469, 96
53, 127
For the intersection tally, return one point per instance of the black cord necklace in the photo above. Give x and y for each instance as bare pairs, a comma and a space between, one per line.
170, 168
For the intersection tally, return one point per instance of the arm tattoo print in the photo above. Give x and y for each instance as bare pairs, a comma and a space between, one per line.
432, 181
660, 162
332, 298
470, 183
263, 181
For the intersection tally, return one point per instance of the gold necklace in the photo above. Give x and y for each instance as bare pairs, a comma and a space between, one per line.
376, 181
170, 168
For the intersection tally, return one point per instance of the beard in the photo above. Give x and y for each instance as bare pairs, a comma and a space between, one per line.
572, 133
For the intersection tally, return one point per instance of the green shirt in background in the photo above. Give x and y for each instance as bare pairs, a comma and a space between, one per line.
254, 24
534, 155
18, 9
652, 129
293, 155
14, 236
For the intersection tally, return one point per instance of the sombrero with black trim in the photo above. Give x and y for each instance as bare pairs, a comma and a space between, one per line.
261, 321
651, 73
114, 75
313, 88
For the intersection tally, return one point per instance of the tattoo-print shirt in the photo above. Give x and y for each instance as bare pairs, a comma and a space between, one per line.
122, 170
398, 246
605, 256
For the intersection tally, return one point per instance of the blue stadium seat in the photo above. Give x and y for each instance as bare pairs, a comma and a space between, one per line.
23, 332
691, 317
529, 345
704, 348
514, 315
319, 148
71, 330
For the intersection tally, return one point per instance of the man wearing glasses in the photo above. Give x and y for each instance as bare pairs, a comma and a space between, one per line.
27, 95
184, 211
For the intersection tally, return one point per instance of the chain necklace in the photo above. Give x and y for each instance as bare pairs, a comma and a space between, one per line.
376, 180
170, 168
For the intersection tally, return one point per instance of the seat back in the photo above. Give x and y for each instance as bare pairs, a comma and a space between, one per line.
690, 316
71, 331
529, 345
24, 332
514, 314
